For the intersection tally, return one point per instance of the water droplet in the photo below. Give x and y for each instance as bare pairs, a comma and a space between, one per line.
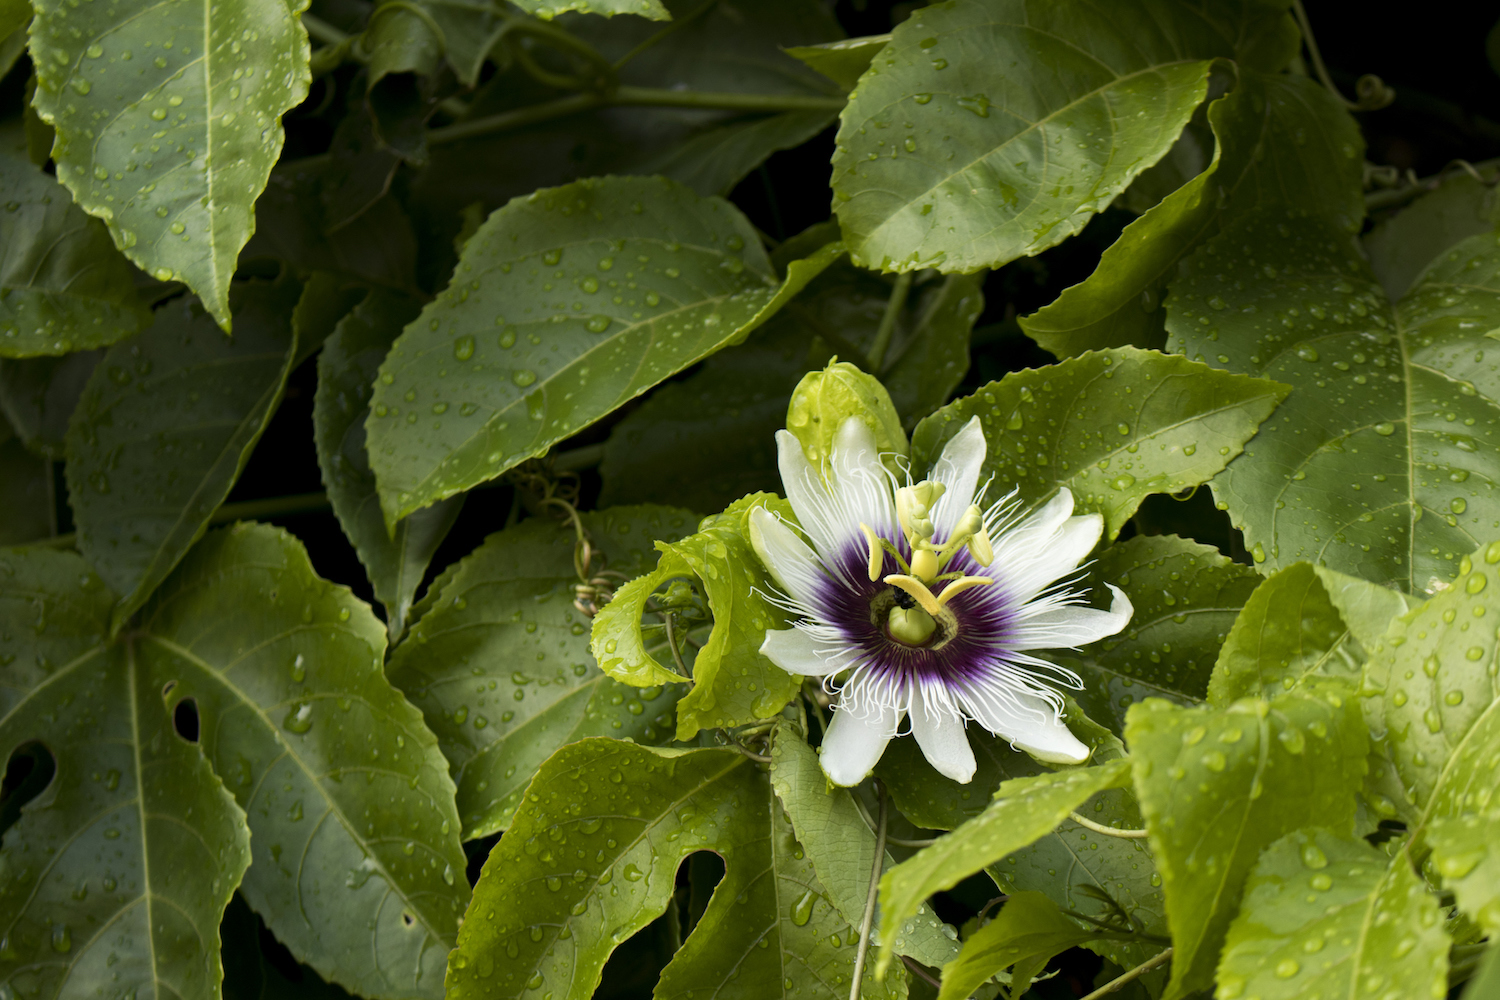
802, 909
463, 348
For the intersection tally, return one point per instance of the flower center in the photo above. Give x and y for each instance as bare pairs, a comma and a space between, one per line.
905, 621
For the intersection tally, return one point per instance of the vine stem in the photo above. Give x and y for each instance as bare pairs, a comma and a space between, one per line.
1131, 976
1373, 93
657, 97
1108, 831
869, 917
893, 306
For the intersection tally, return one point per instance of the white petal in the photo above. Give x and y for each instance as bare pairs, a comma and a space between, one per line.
793, 565
957, 469
1029, 572
855, 740
940, 734
809, 498
1030, 724
796, 652
861, 485
1069, 625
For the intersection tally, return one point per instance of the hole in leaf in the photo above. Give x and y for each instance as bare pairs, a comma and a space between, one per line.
185, 719
1387, 829
411, 921
166, 689
477, 852
27, 774
704, 871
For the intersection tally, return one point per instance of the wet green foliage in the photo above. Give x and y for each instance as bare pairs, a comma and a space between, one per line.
530, 288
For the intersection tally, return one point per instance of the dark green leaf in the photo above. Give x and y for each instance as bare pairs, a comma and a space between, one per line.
251, 974
1401, 247
63, 287
1288, 632
401, 40
326, 299
168, 121
1466, 853
500, 666
1112, 426
1486, 982
1028, 931
1284, 142
13, 44
1186, 597
1382, 461
1442, 696
591, 857
548, 9
988, 130
114, 883
377, 246
732, 682
1218, 785
844, 61
711, 437
1024, 810
841, 847
26, 492
357, 865
38, 397
346, 375
532, 362
167, 421
1325, 915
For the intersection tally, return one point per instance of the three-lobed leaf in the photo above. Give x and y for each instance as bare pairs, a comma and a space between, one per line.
357, 865
117, 878
168, 122
590, 859
1381, 462
63, 286
1327, 915
500, 664
164, 427
347, 366
1216, 785
564, 305
1112, 426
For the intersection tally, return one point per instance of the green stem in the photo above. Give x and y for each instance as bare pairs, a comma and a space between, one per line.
1378, 200
578, 458
1108, 831
1131, 976
321, 31
869, 917
651, 97
1373, 94
893, 306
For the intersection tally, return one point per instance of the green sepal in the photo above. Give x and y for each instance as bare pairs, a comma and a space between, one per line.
824, 400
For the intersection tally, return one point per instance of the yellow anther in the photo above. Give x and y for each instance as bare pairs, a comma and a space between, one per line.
962, 583
918, 590
979, 548
877, 554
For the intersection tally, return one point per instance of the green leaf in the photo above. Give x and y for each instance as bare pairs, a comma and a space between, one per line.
1441, 694
1401, 247
844, 61
63, 287
400, 40
732, 682
38, 397
168, 121
635, 813
1361, 469
1282, 142
167, 421
1186, 597
500, 665
26, 492
841, 847
716, 160
652, 10
530, 368
1112, 426
346, 372
357, 864
1486, 981
135, 852
992, 129
1325, 915
1028, 931
1288, 632
1466, 853
1218, 785
1367, 608
251, 974
1023, 811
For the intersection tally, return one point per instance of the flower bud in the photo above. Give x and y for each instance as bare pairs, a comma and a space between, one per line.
822, 402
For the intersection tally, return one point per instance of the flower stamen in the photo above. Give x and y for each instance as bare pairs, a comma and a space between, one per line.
919, 592
961, 584
877, 553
